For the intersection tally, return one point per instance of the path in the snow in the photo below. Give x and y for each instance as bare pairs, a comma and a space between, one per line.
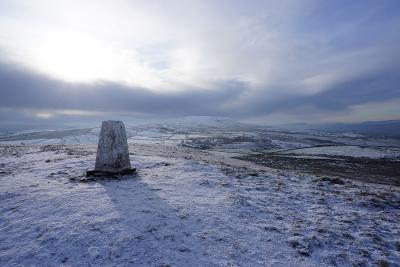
186, 208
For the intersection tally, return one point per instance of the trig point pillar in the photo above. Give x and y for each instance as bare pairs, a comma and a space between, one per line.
112, 151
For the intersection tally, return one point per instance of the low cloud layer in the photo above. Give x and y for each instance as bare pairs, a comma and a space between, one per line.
263, 61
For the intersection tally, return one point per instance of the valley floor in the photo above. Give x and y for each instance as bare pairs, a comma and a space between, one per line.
187, 207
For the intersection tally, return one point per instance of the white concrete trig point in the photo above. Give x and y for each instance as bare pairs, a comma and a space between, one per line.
112, 151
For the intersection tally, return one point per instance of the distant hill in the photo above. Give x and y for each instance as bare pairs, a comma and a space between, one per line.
381, 128
196, 123
204, 121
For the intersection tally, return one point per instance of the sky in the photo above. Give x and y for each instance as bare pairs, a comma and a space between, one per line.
259, 61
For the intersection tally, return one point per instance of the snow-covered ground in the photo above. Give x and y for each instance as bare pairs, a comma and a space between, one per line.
187, 207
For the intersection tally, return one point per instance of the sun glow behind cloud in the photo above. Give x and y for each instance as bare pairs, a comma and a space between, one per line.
73, 57
130, 42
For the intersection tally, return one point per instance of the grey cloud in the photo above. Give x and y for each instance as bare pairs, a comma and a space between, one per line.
376, 86
21, 88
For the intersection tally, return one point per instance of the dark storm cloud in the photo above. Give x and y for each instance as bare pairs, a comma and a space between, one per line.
377, 86
373, 87
22, 89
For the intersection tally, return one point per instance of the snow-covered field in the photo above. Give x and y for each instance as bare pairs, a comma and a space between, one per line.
187, 207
